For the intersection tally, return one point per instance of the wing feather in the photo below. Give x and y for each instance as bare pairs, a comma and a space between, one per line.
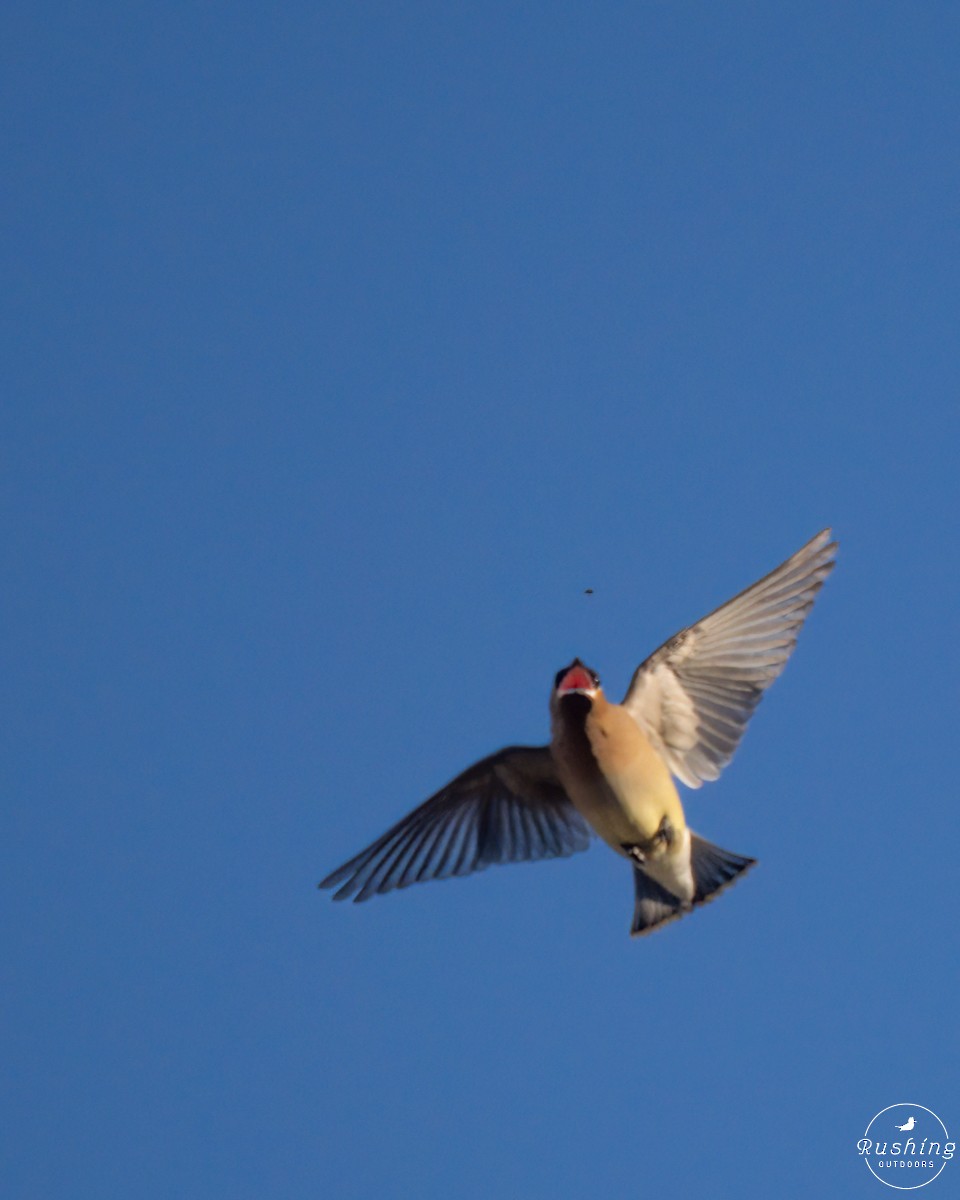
695, 695
509, 807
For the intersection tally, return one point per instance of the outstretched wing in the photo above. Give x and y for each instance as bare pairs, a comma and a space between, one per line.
694, 696
509, 807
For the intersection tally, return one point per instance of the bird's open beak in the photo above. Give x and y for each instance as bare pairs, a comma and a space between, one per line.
577, 681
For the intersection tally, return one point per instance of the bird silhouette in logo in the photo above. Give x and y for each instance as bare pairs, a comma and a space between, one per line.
909, 1125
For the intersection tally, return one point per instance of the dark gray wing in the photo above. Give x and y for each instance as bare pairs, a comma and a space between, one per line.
509, 807
694, 696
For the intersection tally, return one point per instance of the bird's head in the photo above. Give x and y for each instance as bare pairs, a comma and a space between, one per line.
575, 687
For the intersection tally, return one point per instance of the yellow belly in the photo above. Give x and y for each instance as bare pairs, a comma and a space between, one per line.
623, 787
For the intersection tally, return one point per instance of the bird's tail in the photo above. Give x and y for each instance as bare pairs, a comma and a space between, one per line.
713, 869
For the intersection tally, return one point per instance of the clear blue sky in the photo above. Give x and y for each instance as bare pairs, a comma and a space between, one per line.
344, 347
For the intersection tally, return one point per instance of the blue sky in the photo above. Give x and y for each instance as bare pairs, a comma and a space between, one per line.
345, 347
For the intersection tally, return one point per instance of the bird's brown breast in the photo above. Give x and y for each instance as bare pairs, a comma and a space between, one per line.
612, 773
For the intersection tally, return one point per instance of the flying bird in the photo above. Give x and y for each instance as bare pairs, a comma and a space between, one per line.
609, 769
909, 1125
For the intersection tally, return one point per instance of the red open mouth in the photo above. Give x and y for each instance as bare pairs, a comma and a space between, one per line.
576, 679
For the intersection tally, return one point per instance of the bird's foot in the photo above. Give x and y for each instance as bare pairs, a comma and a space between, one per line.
664, 835
640, 852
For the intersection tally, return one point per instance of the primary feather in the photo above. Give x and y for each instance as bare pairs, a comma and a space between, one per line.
694, 696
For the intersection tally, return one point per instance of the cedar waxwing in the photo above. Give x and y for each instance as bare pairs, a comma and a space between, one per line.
608, 767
